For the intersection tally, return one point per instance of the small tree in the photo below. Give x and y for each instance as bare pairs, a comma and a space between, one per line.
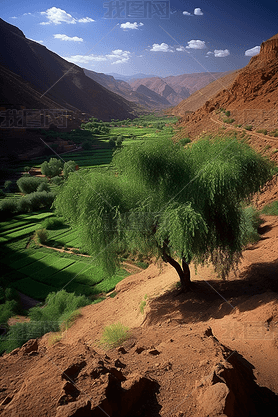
51, 168
183, 204
69, 166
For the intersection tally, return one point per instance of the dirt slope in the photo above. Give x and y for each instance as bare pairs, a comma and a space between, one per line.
207, 353
252, 98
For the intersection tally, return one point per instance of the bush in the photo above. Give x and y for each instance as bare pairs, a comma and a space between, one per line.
251, 222
10, 187
41, 236
29, 185
112, 143
51, 168
2, 193
27, 169
271, 209
228, 120
52, 223
119, 141
39, 200
43, 187
184, 141
69, 167
114, 335
264, 131
57, 180
8, 207
248, 127
228, 113
7, 309
24, 205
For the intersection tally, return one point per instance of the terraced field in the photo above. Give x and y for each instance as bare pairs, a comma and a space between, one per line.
38, 271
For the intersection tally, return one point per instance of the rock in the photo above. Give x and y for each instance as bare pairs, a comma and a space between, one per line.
217, 399
30, 346
81, 408
122, 350
154, 352
73, 370
139, 349
119, 364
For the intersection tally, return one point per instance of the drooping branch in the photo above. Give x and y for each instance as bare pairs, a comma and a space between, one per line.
183, 272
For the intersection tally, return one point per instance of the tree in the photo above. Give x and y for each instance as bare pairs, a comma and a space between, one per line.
51, 168
69, 166
183, 204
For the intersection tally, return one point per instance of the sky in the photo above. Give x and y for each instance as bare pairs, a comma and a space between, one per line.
160, 38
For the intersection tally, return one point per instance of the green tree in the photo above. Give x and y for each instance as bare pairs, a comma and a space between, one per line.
183, 204
51, 168
69, 167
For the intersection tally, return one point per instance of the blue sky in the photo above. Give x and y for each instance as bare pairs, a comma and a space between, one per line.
196, 36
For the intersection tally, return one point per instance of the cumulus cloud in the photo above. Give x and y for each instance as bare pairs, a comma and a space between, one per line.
13, 17
180, 49
253, 51
129, 25
57, 16
210, 53
198, 11
221, 53
118, 56
196, 44
67, 38
187, 13
163, 47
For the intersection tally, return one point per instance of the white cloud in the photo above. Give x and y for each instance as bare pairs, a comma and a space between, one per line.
221, 53
198, 11
210, 53
253, 51
26, 14
85, 20
118, 56
181, 49
58, 16
187, 13
13, 17
67, 38
163, 47
196, 44
129, 25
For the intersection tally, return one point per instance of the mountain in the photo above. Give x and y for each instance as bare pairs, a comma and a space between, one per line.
56, 79
177, 87
252, 98
143, 97
129, 77
198, 99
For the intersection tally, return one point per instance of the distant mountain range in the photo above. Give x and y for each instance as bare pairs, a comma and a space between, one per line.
130, 77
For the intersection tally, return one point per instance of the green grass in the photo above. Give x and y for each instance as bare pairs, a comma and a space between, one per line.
33, 288
271, 209
114, 335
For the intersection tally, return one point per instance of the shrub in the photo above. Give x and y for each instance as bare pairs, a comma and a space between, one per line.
43, 187
248, 127
29, 185
7, 310
271, 209
251, 221
52, 223
27, 169
228, 113
57, 180
69, 167
40, 200
114, 335
228, 120
264, 131
112, 143
24, 205
10, 187
2, 193
41, 236
184, 141
8, 207
51, 168
119, 141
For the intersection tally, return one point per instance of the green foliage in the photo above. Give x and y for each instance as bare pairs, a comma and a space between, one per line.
250, 224
57, 180
2, 193
184, 141
8, 207
41, 236
188, 197
53, 223
271, 209
7, 310
228, 120
27, 169
86, 146
29, 185
248, 127
228, 113
114, 335
69, 167
264, 131
57, 314
51, 168
43, 187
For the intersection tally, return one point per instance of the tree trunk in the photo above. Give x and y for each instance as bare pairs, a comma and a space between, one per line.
183, 272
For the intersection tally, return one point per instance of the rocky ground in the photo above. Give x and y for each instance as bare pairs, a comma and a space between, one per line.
211, 352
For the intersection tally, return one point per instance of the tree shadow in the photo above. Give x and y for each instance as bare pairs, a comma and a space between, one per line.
217, 298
